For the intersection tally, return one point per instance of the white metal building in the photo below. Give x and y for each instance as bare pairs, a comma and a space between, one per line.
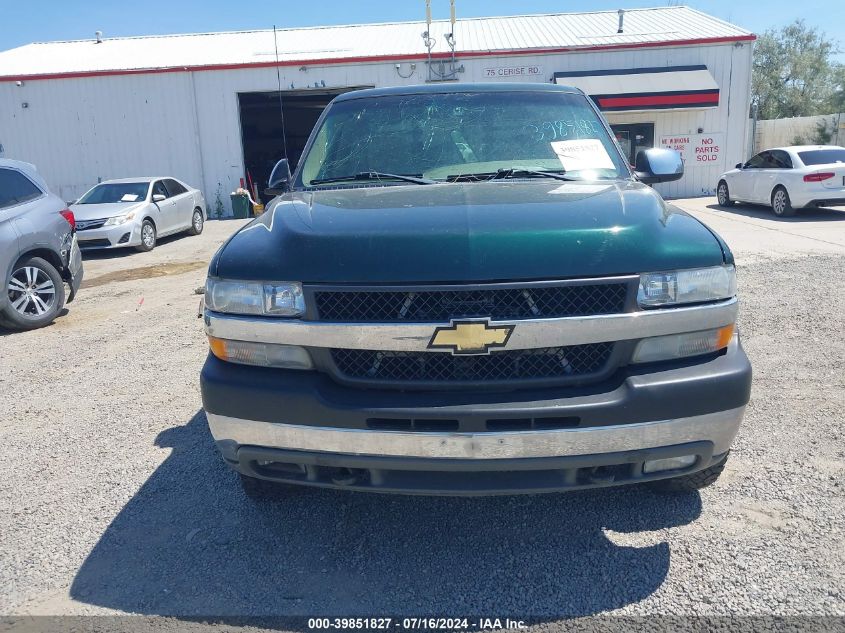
206, 107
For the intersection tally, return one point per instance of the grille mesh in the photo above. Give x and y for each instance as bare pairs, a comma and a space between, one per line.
86, 225
443, 305
550, 362
94, 243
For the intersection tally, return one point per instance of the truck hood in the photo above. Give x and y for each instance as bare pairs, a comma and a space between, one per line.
100, 211
489, 231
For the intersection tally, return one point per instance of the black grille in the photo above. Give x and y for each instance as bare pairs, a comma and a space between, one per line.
443, 305
102, 243
543, 363
87, 225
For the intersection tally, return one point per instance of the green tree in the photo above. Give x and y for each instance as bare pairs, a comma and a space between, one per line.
794, 72
837, 99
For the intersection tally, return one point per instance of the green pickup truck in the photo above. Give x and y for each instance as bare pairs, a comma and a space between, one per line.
465, 289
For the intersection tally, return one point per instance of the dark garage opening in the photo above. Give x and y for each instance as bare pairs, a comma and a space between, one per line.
262, 132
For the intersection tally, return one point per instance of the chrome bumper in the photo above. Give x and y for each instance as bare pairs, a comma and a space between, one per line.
527, 334
112, 234
718, 428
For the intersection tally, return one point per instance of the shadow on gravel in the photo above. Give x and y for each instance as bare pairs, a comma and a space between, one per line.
816, 214
190, 544
7, 332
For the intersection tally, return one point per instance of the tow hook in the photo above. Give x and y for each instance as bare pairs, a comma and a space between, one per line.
601, 475
346, 476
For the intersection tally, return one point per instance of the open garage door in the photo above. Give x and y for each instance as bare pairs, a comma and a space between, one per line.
262, 134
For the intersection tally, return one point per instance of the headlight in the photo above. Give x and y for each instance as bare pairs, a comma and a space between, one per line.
684, 345
686, 286
282, 299
120, 219
261, 354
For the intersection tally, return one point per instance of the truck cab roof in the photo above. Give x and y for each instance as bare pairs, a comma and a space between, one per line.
455, 88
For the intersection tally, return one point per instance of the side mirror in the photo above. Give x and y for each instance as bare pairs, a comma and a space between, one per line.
739, 166
658, 164
279, 181
157, 197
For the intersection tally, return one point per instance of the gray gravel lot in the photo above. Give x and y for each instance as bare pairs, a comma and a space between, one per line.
113, 499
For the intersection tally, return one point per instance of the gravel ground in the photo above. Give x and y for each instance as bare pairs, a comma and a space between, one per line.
114, 500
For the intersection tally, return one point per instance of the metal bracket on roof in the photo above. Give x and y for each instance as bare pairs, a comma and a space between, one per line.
441, 69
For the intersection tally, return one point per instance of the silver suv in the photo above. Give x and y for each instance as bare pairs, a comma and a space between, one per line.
38, 249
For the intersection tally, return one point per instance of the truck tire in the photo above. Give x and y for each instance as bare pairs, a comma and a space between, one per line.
263, 490
693, 481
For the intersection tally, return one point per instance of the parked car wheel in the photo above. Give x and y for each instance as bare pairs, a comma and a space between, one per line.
723, 195
263, 490
148, 237
693, 481
781, 204
197, 222
35, 292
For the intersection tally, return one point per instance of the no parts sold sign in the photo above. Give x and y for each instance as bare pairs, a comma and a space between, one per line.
696, 149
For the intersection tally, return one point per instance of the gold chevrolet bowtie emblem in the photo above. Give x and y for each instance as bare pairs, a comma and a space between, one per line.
470, 337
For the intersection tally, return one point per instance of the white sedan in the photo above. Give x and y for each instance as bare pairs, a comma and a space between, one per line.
136, 212
787, 178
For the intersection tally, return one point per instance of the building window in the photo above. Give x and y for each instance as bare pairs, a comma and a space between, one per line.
633, 138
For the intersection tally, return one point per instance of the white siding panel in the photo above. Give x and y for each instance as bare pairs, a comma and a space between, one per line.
80, 130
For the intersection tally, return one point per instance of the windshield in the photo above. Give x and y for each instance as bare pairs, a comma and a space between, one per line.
444, 136
116, 192
822, 156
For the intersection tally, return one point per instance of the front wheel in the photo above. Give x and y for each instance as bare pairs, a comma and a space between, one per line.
781, 204
693, 481
35, 293
148, 237
197, 222
723, 195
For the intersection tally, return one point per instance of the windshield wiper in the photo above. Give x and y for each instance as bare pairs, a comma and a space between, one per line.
511, 172
374, 175
516, 172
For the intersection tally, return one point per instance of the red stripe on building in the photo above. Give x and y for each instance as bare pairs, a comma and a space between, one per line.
659, 100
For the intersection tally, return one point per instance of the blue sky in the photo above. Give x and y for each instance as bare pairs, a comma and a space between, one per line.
40, 20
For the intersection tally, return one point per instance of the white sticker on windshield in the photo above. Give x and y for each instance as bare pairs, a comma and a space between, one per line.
129, 197
588, 153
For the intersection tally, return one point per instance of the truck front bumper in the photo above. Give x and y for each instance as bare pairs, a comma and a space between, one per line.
302, 428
